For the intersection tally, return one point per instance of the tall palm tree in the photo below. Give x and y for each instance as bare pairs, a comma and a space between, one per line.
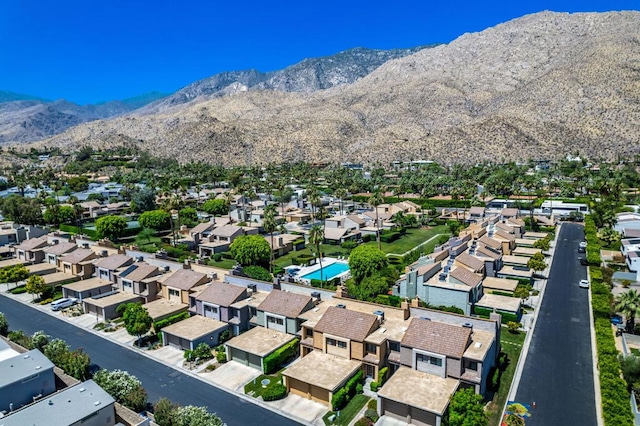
270, 225
628, 304
341, 193
316, 238
228, 198
375, 200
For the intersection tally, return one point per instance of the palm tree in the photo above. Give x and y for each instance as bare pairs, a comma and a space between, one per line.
228, 197
316, 238
341, 193
629, 305
270, 226
375, 200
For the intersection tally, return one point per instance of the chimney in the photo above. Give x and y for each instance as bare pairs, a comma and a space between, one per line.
404, 305
104, 253
280, 242
186, 264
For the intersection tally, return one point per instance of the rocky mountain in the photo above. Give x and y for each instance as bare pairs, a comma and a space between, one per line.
539, 86
308, 75
25, 118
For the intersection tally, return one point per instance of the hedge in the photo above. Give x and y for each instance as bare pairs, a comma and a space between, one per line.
158, 325
506, 316
274, 360
91, 233
616, 408
274, 392
344, 394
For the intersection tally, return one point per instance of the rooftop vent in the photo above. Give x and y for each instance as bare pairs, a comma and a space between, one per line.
341, 306
379, 314
166, 268
467, 325
140, 259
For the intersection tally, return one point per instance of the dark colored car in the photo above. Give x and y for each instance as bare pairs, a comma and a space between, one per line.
583, 261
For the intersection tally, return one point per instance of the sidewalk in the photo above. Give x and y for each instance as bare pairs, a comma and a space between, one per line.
230, 377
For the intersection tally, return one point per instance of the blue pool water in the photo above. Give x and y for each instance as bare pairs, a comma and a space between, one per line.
328, 272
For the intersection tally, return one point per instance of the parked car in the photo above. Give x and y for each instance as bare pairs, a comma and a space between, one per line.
582, 249
583, 244
583, 261
65, 302
584, 284
616, 320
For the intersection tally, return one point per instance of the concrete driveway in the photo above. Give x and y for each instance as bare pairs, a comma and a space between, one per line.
231, 375
300, 407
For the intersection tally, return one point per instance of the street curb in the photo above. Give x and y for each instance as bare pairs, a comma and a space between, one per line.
594, 355
525, 347
189, 373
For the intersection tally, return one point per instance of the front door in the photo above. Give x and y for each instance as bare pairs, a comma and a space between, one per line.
369, 371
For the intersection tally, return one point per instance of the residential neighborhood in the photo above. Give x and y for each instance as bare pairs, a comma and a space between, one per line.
314, 303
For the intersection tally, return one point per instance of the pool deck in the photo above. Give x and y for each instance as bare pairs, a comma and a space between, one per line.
326, 262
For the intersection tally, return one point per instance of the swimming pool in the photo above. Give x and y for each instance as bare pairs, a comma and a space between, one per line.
328, 272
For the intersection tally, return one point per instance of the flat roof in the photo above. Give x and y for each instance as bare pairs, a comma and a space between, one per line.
527, 251
323, 370
22, 366
58, 277
88, 284
112, 299
504, 303
503, 284
195, 327
535, 235
510, 270
11, 262
260, 341
37, 268
421, 390
518, 260
162, 307
62, 408
525, 242
480, 343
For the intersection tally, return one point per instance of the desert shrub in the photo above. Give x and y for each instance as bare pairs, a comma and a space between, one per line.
274, 392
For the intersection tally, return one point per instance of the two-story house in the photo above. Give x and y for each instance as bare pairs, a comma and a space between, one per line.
280, 311
52, 252
333, 351
220, 301
177, 286
140, 279
78, 263
31, 250
107, 267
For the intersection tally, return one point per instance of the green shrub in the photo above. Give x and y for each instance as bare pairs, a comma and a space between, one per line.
217, 257
363, 422
46, 301
274, 360
258, 273
19, 290
352, 384
158, 325
221, 357
382, 375
371, 414
495, 378
349, 245
339, 399
374, 386
274, 392
226, 255
359, 388
372, 404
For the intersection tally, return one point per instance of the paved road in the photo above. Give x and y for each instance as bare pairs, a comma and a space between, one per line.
558, 373
158, 379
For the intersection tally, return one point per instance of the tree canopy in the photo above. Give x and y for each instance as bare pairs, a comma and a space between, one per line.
36, 285
159, 220
136, 319
111, 227
216, 207
365, 261
123, 387
465, 409
250, 250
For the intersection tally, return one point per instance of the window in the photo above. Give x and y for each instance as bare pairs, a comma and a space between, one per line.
472, 365
212, 309
173, 293
127, 284
429, 360
338, 343
309, 331
394, 346
371, 348
275, 320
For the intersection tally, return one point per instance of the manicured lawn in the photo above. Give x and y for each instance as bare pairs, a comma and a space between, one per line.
349, 412
222, 263
149, 245
512, 346
412, 238
257, 389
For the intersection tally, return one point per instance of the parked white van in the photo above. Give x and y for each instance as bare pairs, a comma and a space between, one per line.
65, 302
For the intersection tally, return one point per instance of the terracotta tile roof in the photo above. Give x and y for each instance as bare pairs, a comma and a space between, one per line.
222, 294
470, 261
285, 303
437, 337
60, 248
466, 277
79, 255
141, 272
185, 279
486, 240
114, 262
346, 323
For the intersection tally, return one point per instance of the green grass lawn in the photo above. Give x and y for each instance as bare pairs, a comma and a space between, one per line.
222, 263
150, 245
512, 346
257, 389
413, 237
347, 413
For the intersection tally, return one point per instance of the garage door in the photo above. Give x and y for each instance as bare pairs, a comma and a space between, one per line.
255, 361
298, 388
172, 340
395, 410
319, 395
239, 356
422, 418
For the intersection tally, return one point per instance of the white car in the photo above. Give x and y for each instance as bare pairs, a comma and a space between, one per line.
65, 302
583, 244
584, 284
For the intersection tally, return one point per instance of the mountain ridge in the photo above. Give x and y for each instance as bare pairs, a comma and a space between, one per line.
541, 85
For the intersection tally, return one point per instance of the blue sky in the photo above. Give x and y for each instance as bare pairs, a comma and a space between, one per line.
95, 50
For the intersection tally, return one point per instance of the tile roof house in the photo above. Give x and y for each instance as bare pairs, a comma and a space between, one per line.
280, 311
31, 250
52, 252
107, 267
140, 279
471, 263
179, 284
77, 263
220, 301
